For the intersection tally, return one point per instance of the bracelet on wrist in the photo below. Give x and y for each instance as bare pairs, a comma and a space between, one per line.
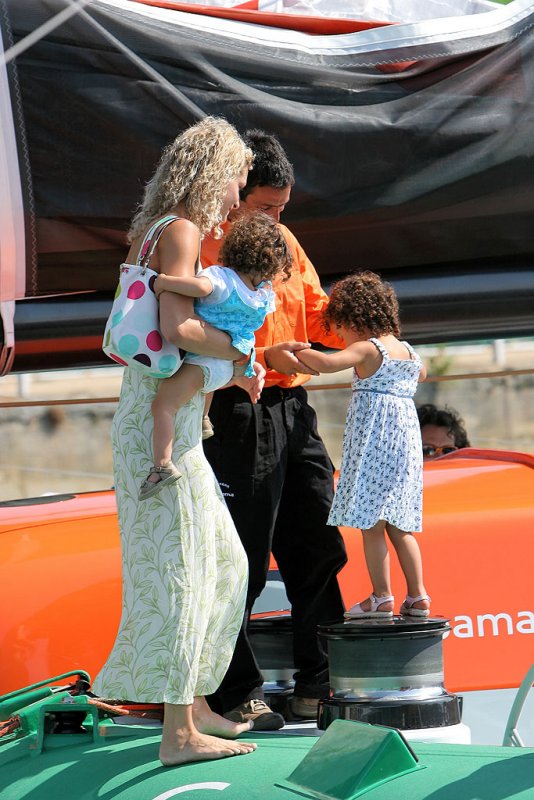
241, 361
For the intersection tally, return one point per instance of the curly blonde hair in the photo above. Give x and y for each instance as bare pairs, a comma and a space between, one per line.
256, 246
364, 303
194, 169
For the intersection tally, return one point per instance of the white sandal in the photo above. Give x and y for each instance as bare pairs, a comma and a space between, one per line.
357, 612
168, 475
407, 608
207, 427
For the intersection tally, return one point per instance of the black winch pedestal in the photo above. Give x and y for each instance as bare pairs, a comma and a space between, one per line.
388, 672
271, 639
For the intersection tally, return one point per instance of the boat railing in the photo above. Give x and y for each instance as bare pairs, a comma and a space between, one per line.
73, 430
311, 387
511, 736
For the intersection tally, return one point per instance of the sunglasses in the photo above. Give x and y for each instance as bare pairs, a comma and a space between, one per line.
430, 452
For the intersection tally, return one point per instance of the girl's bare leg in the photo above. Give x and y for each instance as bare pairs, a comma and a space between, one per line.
207, 403
409, 555
182, 742
173, 393
377, 559
207, 427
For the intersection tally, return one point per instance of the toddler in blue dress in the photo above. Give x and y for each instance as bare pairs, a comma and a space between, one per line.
235, 297
380, 489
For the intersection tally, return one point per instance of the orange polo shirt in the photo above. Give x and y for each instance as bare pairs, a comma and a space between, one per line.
300, 302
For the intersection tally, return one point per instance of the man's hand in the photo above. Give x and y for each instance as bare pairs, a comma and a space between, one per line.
281, 357
252, 385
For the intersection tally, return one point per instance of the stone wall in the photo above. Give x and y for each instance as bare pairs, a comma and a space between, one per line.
62, 448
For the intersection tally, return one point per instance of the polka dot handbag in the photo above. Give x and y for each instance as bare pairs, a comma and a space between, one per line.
132, 336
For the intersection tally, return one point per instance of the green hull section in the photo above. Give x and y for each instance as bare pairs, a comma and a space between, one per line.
87, 757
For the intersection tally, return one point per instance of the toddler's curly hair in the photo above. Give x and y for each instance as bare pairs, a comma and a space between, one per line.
364, 303
255, 245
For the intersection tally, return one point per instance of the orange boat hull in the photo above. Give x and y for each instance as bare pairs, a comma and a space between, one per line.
61, 587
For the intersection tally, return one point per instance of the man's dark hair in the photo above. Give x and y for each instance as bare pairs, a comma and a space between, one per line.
429, 414
271, 166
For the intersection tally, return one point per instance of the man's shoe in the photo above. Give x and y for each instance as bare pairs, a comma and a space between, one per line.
257, 712
304, 707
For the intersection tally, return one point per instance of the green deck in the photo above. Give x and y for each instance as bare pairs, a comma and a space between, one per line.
124, 766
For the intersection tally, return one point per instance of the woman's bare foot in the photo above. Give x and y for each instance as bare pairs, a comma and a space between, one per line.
190, 746
207, 721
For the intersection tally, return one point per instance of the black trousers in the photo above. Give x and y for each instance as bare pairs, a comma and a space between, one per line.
277, 479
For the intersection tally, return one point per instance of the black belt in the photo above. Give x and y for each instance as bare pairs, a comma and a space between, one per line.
269, 396
279, 393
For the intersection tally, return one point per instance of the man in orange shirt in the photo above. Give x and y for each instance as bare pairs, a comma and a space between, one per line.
273, 467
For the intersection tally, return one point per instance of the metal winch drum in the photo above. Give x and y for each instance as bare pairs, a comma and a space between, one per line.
388, 672
271, 639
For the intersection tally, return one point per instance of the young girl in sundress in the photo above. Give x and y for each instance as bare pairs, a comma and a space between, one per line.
234, 297
380, 488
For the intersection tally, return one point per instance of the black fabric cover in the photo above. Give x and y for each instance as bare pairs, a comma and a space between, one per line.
425, 171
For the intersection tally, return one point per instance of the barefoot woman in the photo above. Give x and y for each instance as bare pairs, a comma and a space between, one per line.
184, 570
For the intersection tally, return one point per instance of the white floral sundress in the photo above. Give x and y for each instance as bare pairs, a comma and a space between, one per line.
184, 569
382, 461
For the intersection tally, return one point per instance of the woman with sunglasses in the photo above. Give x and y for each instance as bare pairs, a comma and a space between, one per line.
442, 431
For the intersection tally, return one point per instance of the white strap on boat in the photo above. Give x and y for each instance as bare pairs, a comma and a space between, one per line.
12, 240
511, 736
40, 32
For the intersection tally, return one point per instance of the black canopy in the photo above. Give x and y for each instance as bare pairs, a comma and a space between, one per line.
412, 147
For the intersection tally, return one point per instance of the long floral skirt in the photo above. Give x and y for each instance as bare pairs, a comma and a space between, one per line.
184, 570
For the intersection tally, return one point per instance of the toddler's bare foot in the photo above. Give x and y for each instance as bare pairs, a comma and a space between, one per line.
189, 747
207, 721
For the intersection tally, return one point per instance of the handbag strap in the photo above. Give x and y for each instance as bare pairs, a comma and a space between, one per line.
146, 251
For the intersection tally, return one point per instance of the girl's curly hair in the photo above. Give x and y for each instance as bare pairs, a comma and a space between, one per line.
256, 246
364, 303
196, 168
